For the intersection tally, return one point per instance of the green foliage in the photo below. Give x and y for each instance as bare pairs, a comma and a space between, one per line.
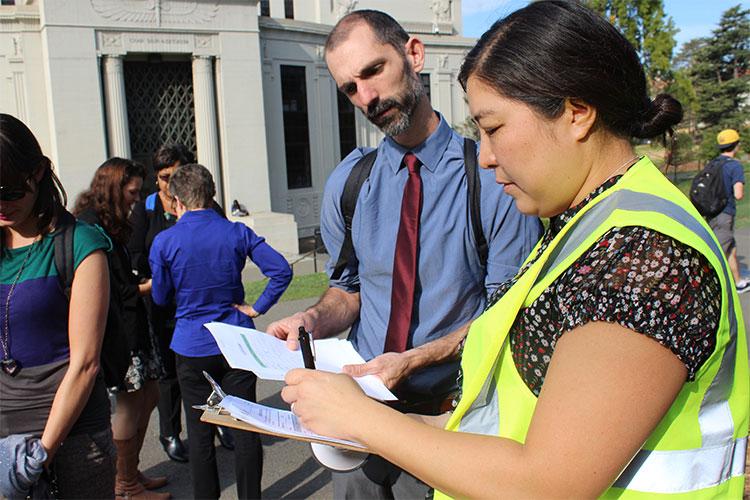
684, 150
467, 128
720, 69
681, 88
648, 28
707, 147
301, 287
685, 59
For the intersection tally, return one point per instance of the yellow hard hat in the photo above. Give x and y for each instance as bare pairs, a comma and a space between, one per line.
727, 137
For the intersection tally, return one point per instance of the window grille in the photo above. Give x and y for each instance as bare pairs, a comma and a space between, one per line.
161, 106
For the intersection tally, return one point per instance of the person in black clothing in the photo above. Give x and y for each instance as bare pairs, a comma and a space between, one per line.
150, 217
107, 203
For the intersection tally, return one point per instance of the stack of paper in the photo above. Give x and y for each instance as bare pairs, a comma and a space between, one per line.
269, 358
278, 422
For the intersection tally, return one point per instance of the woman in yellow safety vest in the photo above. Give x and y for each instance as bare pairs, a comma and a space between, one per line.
614, 364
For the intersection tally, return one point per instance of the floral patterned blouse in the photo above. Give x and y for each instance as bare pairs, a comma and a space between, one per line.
632, 276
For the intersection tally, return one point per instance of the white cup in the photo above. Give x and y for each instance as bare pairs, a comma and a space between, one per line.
338, 459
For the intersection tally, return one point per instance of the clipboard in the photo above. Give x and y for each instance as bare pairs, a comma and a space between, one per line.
222, 417
214, 413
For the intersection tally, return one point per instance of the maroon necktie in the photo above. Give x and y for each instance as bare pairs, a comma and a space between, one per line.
405, 260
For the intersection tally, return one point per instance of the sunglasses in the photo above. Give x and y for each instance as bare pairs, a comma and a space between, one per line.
13, 194
8, 195
165, 177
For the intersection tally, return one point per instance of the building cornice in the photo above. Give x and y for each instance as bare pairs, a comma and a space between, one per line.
19, 18
276, 24
272, 27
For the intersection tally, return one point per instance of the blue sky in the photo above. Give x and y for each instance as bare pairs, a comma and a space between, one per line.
694, 18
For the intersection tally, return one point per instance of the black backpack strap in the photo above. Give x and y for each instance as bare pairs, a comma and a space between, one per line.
721, 160
361, 171
357, 176
475, 199
63, 240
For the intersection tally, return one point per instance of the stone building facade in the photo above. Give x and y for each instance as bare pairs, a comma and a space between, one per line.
243, 83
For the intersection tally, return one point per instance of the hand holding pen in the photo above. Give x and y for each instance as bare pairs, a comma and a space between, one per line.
306, 345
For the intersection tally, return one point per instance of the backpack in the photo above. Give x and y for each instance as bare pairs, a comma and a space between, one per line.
707, 192
114, 345
361, 171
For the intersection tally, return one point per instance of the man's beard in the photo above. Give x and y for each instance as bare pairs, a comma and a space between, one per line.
399, 119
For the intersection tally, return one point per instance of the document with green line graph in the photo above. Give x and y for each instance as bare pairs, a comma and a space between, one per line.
269, 359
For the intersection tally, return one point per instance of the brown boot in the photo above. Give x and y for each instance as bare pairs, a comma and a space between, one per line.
126, 482
150, 483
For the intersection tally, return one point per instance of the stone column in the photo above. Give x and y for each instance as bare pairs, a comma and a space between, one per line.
206, 130
117, 112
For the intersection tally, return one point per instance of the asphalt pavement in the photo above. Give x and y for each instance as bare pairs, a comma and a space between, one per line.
289, 469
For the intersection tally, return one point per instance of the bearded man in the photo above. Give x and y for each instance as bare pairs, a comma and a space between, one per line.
414, 280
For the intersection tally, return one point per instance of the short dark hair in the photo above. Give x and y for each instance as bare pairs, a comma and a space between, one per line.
20, 158
727, 147
553, 50
386, 29
193, 185
169, 154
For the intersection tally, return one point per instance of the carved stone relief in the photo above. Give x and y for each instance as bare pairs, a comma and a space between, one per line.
17, 46
122, 42
156, 12
304, 208
203, 41
343, 7
441, 10
112, 39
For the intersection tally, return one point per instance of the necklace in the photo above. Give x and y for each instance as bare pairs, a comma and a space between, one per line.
8, 364
626, 164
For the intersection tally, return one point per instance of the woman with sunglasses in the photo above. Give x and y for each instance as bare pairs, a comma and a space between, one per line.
614, 364
50, 384
107, 203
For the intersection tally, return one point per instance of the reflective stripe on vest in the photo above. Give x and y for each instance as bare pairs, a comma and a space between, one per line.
651, 471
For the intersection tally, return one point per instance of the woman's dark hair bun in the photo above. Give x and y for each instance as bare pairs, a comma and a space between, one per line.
555, 49
657, 117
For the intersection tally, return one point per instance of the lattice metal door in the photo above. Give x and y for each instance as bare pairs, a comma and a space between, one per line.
160, 106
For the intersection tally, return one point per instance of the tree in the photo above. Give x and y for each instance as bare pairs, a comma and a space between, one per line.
689, 53
467, 127
720, 69
681, 86
651, 32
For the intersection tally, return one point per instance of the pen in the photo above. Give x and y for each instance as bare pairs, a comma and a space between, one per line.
305, 342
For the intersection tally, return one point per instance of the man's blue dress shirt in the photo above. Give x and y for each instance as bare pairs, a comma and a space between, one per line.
200, 260
451, 283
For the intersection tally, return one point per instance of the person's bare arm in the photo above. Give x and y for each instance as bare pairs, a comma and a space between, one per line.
246, 309
605, 391
439, 421
334, 312
739, 190
393, 368
89, 298
144, 288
